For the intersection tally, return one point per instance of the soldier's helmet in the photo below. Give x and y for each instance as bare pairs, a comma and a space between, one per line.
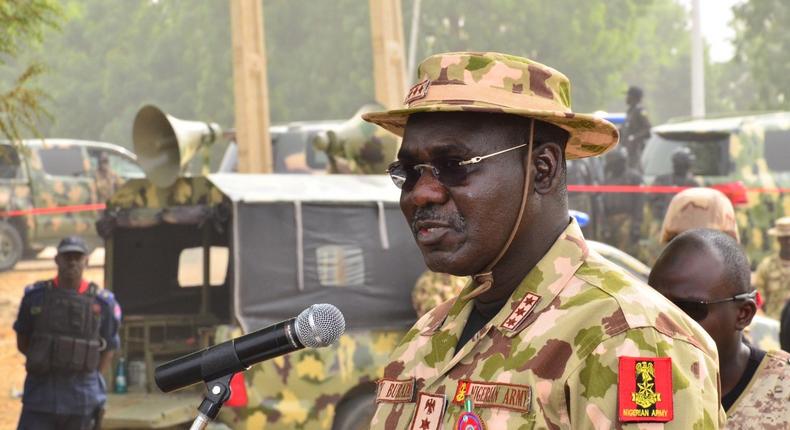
683, 157
634, 93
699, 208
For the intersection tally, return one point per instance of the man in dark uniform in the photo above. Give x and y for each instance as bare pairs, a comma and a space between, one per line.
67, 329
636, 129
623, 211
681, 176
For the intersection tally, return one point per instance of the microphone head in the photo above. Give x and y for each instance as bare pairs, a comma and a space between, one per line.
320, 325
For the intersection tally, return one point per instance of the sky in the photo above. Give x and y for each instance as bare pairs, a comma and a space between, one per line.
716, 16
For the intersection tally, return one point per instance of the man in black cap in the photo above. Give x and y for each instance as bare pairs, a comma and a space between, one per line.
636, 129
67, 329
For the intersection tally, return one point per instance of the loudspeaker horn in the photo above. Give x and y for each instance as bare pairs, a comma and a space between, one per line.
165, 144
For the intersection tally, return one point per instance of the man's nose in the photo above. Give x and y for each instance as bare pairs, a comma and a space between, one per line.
428, 190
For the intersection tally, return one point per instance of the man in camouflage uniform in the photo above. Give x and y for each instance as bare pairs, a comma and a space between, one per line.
706, 274
636, 129
623, 211
106, 180
549, 334
681, 176
772, 278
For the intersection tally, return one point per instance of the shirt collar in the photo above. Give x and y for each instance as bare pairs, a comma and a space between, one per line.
83, 285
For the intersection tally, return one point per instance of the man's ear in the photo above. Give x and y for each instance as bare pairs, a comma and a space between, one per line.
547, 163
746, 312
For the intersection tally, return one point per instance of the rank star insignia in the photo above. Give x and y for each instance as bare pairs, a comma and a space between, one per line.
522, 311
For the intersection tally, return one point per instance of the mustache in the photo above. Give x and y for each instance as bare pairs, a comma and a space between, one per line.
455, 221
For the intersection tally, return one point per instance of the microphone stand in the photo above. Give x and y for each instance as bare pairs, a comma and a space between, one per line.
217, 393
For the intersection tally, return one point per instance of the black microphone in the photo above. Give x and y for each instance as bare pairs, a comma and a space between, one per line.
317, 326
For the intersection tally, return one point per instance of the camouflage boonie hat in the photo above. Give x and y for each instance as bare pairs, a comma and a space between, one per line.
699, 208
499, 83
781, 227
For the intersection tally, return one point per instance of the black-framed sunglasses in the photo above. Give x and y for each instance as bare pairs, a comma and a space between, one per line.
450, 172
698, 310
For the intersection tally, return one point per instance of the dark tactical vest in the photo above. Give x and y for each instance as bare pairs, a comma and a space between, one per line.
66, 332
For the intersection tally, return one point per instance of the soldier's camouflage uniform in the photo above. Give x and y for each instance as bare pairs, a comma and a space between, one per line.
106, 184
587, 313
765, 403
432, 289
772, 280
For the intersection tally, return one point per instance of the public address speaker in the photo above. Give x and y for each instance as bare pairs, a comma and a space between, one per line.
165, 144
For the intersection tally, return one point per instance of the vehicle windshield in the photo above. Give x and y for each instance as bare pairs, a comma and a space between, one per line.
711, 153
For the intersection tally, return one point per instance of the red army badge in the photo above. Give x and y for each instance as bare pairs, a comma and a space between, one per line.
644, 389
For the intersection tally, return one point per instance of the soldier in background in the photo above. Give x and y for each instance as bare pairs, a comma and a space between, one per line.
67, 329
772, 278
623, 211
636, 129
708, 208
433, 289
681, 176
106, 180
706, 274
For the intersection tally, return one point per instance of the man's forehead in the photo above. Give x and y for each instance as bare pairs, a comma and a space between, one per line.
693, 275
459, 132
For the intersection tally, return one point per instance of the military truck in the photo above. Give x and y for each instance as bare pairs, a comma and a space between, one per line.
746, 157
48, 190
211, 257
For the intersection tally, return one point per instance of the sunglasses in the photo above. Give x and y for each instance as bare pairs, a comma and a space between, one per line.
449, 172
698, 310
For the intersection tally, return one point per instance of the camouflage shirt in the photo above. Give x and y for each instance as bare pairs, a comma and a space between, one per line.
772, 280
765, 403
553, 357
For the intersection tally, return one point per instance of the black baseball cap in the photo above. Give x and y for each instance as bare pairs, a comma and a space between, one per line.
72, 244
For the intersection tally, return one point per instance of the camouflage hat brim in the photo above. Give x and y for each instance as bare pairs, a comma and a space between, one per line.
590, 136
778, 232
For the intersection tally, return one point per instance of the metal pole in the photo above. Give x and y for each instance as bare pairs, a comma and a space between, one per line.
413, 34
204, 292
697, 63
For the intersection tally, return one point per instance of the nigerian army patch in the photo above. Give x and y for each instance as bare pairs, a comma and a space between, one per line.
494, 395
644, 389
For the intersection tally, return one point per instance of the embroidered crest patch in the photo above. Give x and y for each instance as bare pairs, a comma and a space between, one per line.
395, 391
644, 389
429, 412
494, 395
521, 312
418, 91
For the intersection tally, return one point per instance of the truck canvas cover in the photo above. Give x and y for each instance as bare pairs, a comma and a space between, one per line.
298, 240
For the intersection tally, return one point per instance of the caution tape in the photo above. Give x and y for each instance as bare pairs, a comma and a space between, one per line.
53, 210
664, 189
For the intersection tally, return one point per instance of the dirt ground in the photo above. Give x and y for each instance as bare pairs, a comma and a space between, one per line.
12, 363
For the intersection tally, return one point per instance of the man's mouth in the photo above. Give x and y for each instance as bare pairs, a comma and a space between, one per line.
430, 232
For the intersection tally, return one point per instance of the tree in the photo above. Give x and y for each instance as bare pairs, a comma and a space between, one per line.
762, 43
21, 23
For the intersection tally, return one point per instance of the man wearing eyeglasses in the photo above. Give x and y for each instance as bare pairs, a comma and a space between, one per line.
548, 334
707, 275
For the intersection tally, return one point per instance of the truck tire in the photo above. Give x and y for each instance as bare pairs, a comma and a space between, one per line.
11, 246
355, 413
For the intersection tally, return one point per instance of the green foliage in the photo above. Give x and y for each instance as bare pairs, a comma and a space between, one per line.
22, 23
762, 44
110, 58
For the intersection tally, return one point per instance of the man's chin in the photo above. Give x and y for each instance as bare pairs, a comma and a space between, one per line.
449, 262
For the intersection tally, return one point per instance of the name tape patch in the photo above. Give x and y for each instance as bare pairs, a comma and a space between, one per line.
395, 391
644, 389
429, 412
494, 395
